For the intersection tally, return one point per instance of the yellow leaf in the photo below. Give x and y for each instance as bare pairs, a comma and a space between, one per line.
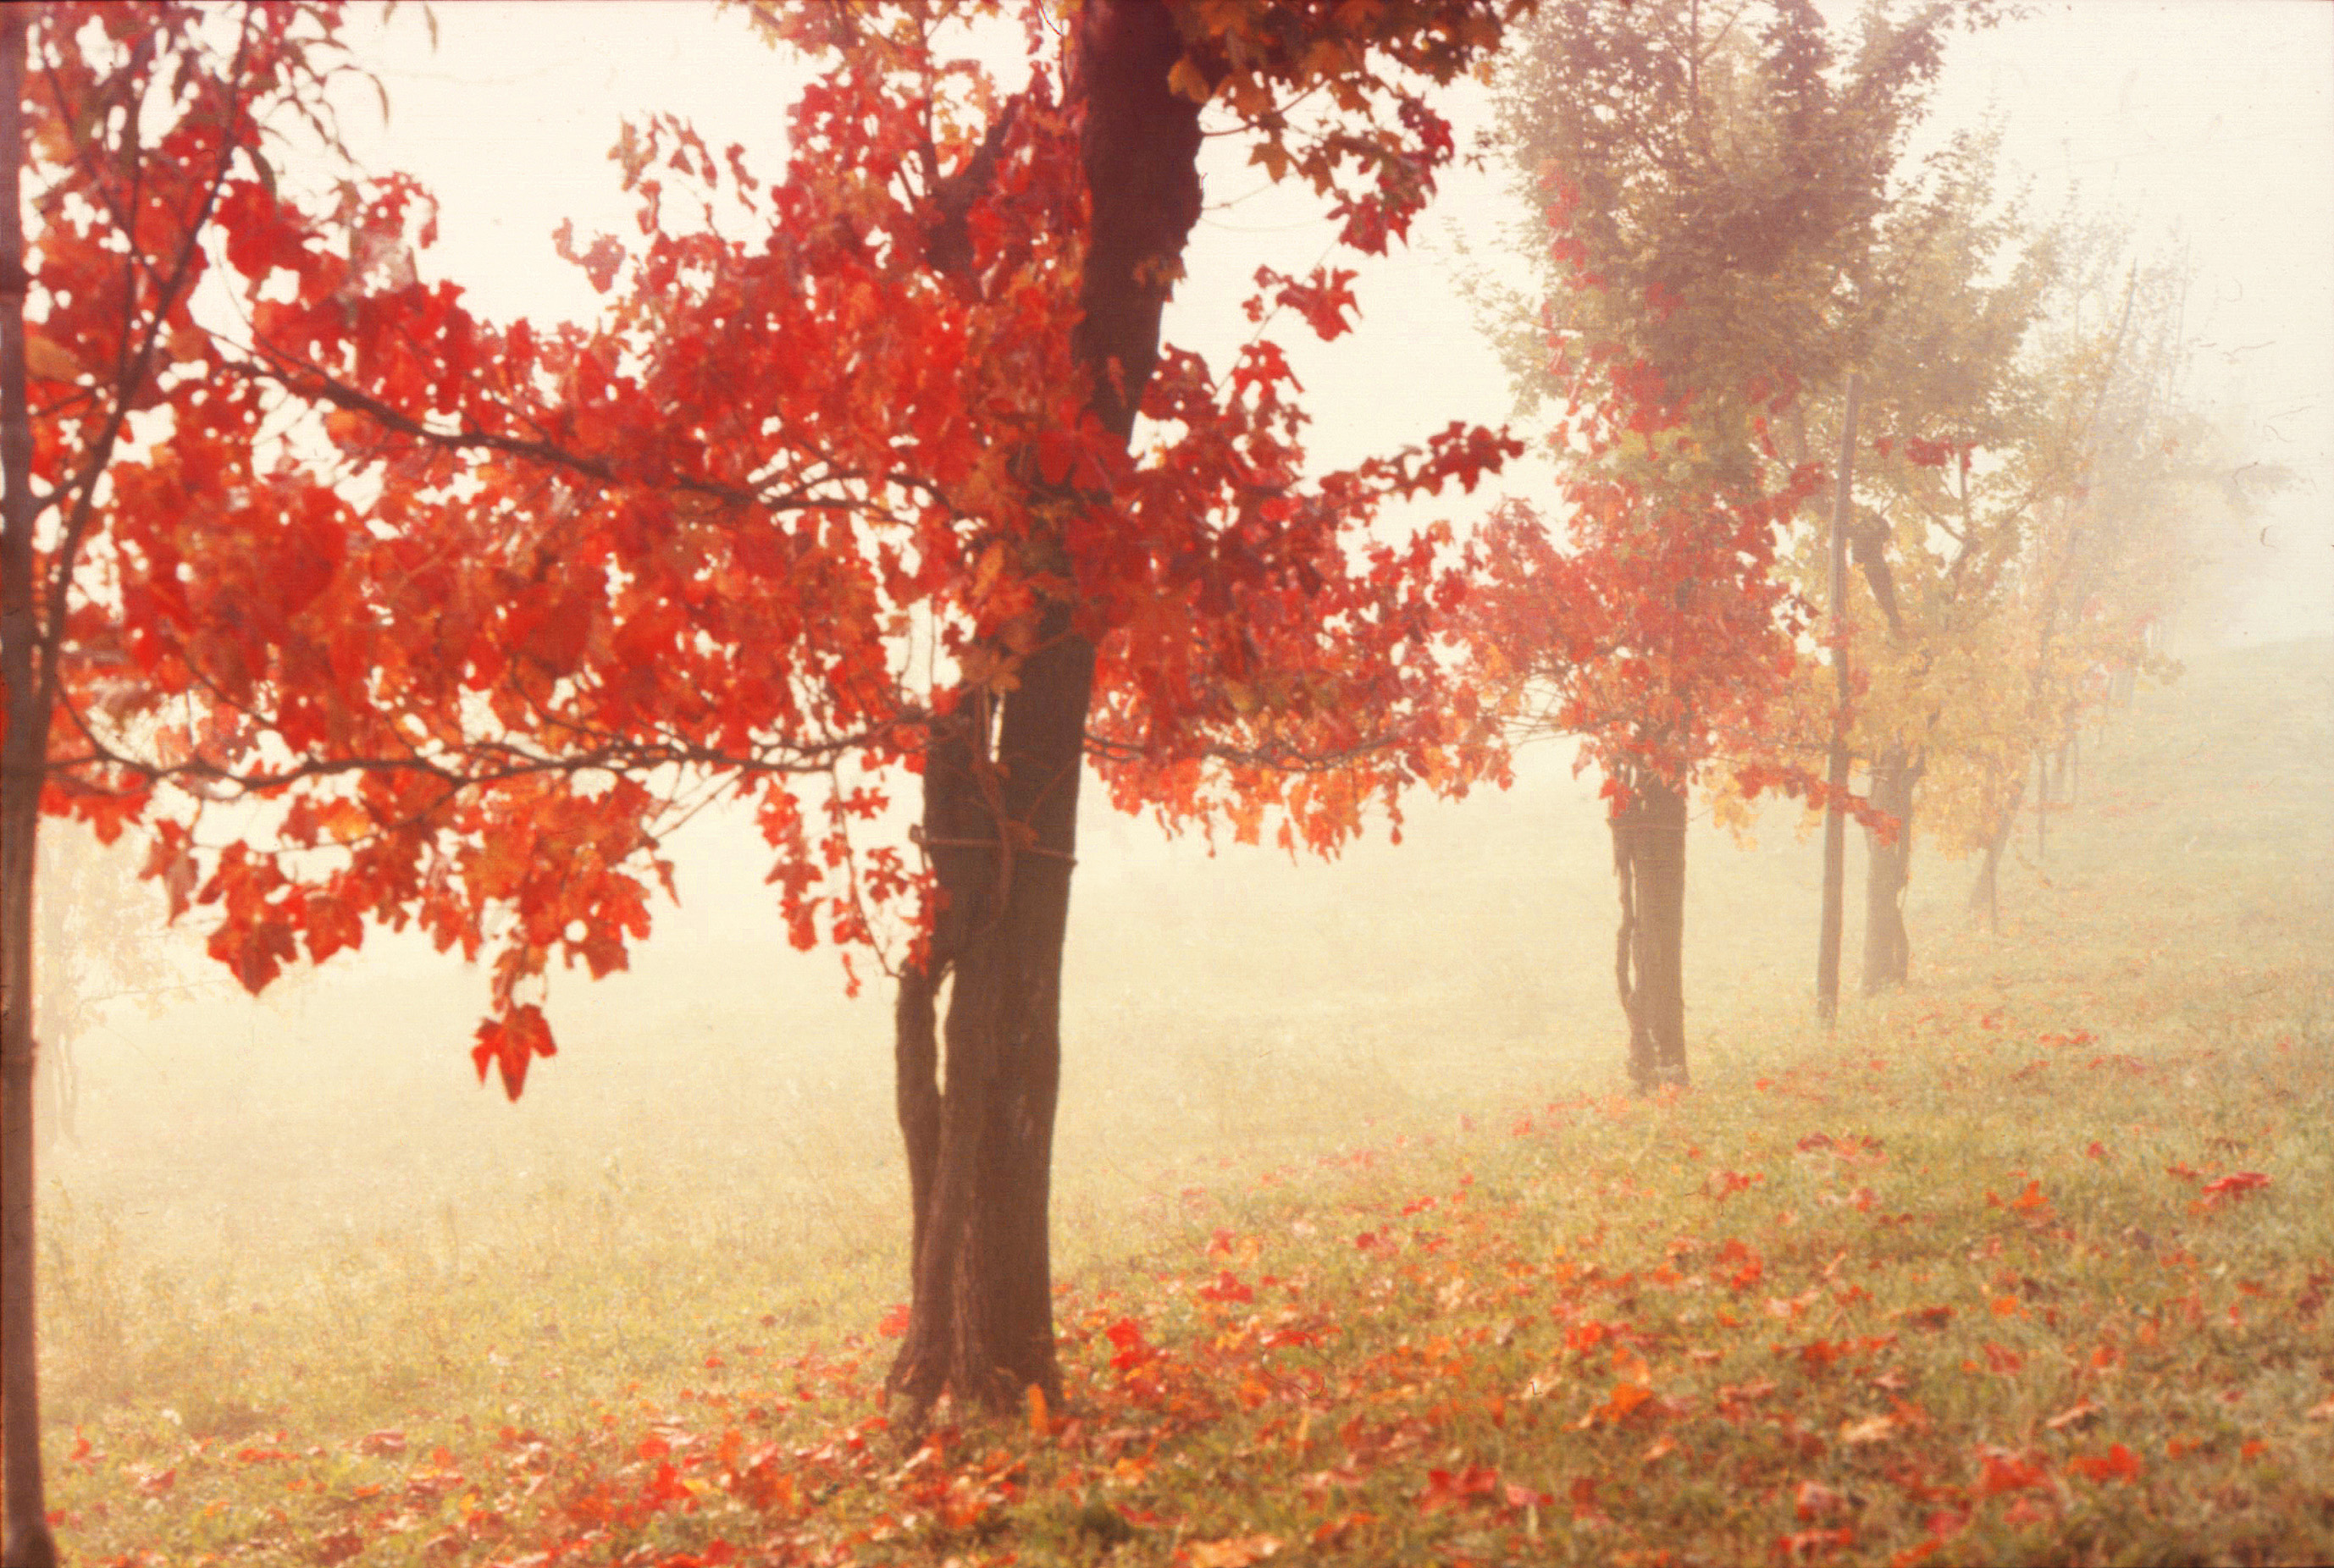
1041, 1425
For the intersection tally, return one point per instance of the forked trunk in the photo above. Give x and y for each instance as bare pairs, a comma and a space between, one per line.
976, 1091
1888, 866
1000, 823
1649, 859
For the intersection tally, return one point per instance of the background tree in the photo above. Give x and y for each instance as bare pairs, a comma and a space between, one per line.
1941, 487
2109, 479
1718, 178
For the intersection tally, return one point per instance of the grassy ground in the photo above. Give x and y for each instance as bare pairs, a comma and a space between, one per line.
2029, 1263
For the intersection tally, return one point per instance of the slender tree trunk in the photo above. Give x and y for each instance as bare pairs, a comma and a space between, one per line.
1649, 957
1888, 948
24, 763
1985, 893
2041, 804
976, 1096
1834, 866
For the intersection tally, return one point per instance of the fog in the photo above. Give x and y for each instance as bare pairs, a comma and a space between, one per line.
1224, 1005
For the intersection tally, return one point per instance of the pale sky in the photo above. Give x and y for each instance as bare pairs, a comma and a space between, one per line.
2204, 123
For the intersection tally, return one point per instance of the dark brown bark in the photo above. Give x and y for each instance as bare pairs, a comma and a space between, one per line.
24, 763
976, 1096
1888, 866
1649, 957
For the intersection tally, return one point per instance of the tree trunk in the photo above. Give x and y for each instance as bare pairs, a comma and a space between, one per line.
1649, 859
976, 1097
1888, 949
2041, 804
1001, 829
23, 763
1835, 862
1985, 893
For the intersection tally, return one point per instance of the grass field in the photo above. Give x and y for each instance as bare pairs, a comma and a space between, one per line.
2027, 1263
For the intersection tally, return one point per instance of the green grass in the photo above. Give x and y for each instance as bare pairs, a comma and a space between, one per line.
1377, 1276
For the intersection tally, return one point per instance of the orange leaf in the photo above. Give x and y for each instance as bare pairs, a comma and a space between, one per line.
1234, 1552
2117, 1464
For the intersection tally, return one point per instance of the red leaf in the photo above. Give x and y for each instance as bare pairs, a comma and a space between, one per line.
511, 1043
1226, 1287
2001, 1471
2241, 1181
2117, 1464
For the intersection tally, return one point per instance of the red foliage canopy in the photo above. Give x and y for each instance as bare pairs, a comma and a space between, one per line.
526, 593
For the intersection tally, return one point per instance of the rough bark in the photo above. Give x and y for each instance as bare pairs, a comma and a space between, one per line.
1888, 866
1649, 859
22, 764
976, 1095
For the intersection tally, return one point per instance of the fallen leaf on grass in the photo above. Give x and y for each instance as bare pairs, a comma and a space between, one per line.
1232, 1552
2117, 1464
1813, 1500
2078, 1415
1872, 1430
1333, 1530
1807, 1545
2228, 1188
337, 1547
1446, 1490
2003, 1471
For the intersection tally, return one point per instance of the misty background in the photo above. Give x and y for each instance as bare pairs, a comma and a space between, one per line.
1216, 997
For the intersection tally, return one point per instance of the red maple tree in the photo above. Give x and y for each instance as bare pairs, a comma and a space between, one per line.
839, 487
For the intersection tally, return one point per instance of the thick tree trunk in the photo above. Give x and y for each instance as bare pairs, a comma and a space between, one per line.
976, 1095
23, 761
1001, 829
1888, 866
1649, 957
